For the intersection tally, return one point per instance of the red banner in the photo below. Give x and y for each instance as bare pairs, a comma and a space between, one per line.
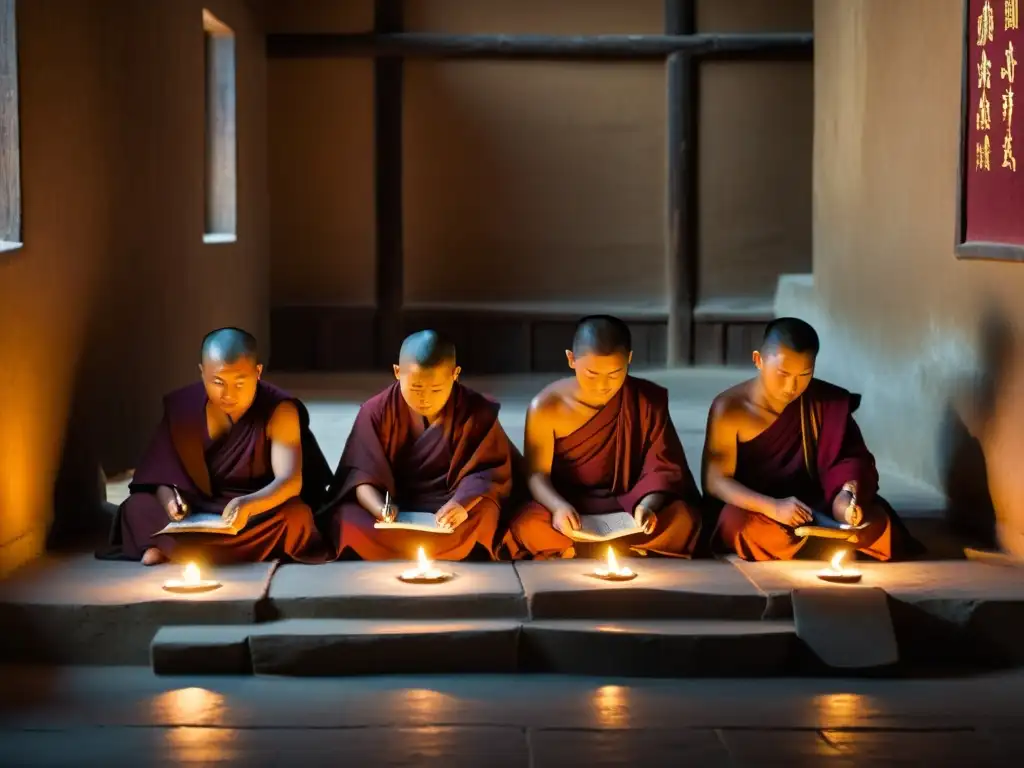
993, 163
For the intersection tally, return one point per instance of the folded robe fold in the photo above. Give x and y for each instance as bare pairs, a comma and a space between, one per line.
627, 450
465, 456
209, 473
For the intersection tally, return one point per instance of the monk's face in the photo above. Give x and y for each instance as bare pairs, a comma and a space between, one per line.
785, 374
600, 377
231, 387
427, 390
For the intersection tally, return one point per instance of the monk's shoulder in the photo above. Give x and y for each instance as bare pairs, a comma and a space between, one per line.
649, 393
474, 404
551, 401
180, 399
731, 407
379, 403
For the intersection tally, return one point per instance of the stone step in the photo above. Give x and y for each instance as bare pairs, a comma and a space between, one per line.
359, 590
663, 589
79, 610
341, 647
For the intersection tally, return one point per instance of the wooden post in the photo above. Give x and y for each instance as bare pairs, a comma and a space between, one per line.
387, 115
681, 258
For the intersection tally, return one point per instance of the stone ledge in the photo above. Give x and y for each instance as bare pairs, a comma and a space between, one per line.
86, 611
663, 589
664, 648
357, 647
360, 590
202, 650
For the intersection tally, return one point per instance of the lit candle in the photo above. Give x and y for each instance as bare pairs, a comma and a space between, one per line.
191, 581
837, 574
613, 572
424, 572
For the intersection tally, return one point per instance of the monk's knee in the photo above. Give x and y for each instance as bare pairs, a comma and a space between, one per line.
295, 512
682, 514
527, 517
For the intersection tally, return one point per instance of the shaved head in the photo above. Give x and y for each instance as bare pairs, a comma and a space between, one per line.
427, 372
229, 345
426, 349
790, 333
601, 335
231, 370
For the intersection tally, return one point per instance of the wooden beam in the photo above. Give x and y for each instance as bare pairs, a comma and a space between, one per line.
387, 116
437, 45
681, 258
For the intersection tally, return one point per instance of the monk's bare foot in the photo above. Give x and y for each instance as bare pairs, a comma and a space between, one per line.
637, 552
153, 556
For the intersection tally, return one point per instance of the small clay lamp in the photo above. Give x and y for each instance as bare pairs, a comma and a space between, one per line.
191, 582
836, 573
613, 572
424, 572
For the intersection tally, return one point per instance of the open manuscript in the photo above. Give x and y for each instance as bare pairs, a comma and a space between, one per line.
611, 525
202, 522
424, 522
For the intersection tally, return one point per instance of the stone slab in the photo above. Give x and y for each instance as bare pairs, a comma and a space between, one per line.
360, 590
79, 610
983, 603
846, 628
707, 648
202, 650
663, 589
323, 647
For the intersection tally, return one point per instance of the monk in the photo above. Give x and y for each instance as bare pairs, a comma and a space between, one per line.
784, 445
602, 441
228, 444
427, 443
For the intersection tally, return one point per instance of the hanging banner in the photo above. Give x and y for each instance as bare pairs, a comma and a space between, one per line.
991, 184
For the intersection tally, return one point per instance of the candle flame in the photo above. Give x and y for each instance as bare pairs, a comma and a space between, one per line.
422, 558
613, 563
837, 560
191, 575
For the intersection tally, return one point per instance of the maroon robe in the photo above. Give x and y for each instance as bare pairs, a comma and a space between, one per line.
465, 456
209, 473
626, 451
774, 464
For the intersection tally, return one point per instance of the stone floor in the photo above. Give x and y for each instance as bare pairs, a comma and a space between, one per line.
128, 717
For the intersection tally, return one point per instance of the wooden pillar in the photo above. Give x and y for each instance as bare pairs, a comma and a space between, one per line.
387, 115
681, 258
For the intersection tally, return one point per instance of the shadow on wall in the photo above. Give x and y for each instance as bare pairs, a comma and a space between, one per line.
79, 491
969, 416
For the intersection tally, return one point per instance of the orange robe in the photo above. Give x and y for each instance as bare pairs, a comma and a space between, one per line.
629, 449
809, 452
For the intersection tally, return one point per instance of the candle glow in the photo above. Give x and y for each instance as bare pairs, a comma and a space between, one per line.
613, 572
191, 581
424, 572
836, 573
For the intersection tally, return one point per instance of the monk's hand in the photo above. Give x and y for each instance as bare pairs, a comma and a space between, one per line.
645, 518
451, 515
845, 509
169, 500
388, 513
792, 512
566, 521
236, 512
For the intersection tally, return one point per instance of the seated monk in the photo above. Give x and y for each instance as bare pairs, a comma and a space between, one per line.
234, 445
599, 442
784, 444
425, 444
